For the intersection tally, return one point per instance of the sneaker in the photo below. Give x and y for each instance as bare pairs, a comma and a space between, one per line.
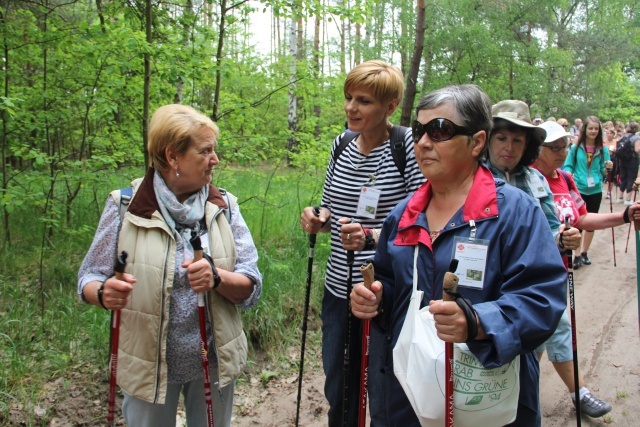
577, 262
608, 195
585, 259
592, 406
628, 202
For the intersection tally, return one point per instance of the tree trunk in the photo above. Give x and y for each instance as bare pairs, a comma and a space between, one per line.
316, 68
5, 176
357, 51
412, 76
343, 35
221, 32
147, 83
101, 16
186, 30
292, 142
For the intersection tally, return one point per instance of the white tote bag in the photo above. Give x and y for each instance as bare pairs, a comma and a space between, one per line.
482, 397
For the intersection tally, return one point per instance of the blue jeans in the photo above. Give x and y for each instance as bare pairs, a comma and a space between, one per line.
334, 311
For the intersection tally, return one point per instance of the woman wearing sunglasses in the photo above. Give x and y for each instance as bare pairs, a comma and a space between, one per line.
363, 183
516, 296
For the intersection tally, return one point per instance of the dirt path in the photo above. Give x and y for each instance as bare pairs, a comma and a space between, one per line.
608, 351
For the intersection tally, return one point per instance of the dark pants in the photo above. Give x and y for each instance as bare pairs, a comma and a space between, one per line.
592, 202
628, 174
334, 311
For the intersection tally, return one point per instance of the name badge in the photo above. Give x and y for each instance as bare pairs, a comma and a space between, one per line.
591, 182
537, 189
368, 203
472, 261
577, 199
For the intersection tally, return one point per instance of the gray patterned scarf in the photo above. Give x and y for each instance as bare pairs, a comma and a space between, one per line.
182, 218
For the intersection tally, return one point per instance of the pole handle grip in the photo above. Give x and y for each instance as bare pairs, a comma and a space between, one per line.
196, 244
121, 263
450, 282
368, 274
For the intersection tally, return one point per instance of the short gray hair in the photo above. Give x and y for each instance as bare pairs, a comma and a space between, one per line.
472, 105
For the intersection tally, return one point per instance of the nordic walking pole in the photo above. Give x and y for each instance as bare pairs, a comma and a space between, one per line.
613, 234
449, 286
307, 297
635, 193
636, 226
368, 277
574, 339
346, 366
197, 256
121, 262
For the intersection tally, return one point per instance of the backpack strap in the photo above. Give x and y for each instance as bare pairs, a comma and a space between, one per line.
398, 151
566, 177
396, 143
344, 141
227, 210
125, 198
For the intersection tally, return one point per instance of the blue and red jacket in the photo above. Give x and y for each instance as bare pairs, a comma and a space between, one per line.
524, 287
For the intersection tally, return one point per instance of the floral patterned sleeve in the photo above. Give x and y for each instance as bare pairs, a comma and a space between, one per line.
247, 256
99, 262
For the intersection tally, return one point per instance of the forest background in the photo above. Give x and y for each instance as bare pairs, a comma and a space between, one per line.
80, 78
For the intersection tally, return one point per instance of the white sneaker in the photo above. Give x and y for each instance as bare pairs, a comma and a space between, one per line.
628, 202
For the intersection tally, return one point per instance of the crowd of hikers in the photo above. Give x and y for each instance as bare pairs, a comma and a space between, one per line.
474, 190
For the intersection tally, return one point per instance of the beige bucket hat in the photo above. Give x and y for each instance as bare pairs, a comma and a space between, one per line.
517, 112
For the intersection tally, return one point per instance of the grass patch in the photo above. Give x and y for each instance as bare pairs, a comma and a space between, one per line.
621, 394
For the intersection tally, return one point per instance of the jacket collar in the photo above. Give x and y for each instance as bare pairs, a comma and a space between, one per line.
481, 203
145, 203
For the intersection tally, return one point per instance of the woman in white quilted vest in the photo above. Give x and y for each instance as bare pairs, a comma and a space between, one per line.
159, 354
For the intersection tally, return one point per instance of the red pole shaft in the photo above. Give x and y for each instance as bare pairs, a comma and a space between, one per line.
448, 356
205, 359
364, 372
204, 354
368, 276
450, 284
121, 262
115, 336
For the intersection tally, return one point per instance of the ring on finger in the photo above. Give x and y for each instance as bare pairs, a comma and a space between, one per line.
348, 237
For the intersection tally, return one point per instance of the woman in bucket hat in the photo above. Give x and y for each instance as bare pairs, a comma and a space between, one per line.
514, 145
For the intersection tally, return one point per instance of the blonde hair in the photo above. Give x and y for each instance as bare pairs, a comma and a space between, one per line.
383, 79
562, 121
172, 126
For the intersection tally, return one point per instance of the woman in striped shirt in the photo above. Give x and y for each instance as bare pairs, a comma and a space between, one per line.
365, 180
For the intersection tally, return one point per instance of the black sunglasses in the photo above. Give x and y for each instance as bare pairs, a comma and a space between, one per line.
439, 130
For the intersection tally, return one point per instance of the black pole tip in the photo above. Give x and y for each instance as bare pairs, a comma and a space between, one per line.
453, 266
316, 210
